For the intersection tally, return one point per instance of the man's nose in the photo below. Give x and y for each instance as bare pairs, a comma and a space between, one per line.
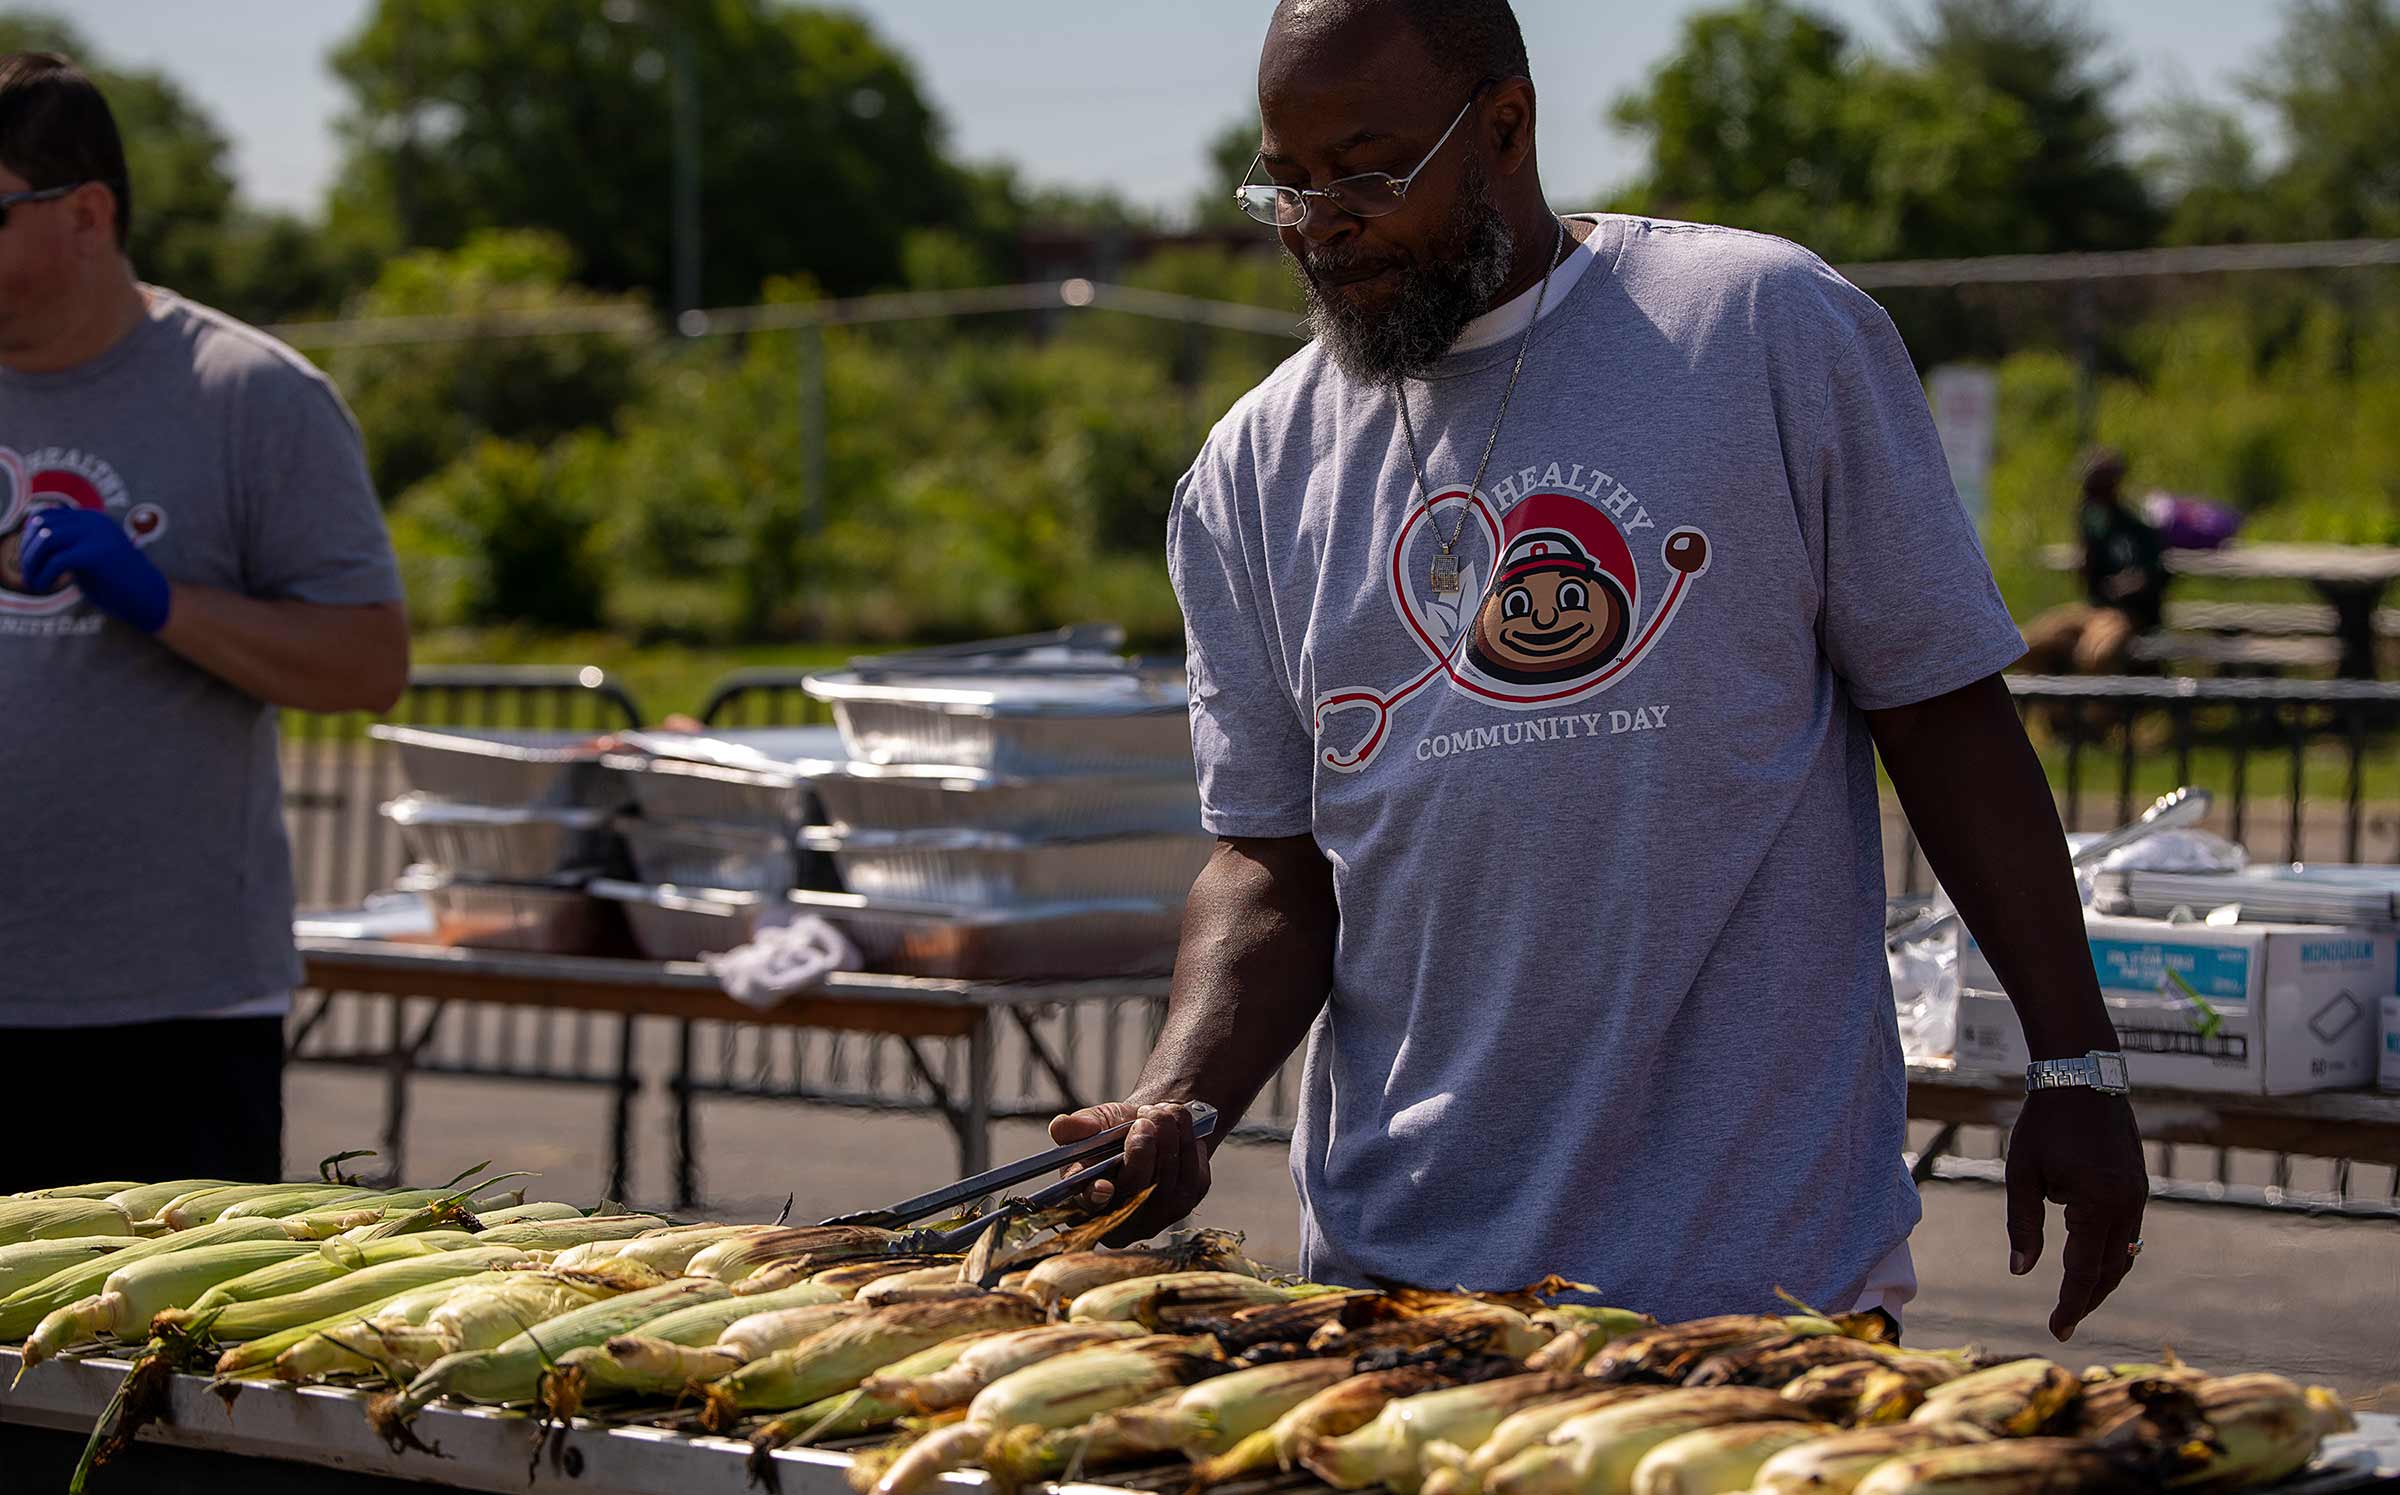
1321, 222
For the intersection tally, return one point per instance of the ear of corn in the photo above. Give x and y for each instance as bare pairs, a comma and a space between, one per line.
1343, 1407
575, 1237
2009, 1466
1870, 1392
1835, 1463
1717, 1461
737, 1257
756, 1335
204, 1206
255, 1357
54, 1219
322, 1265
517, 1214
1523, 1429
402, 1335
1137, 1298
1390, 1451
850, 1413
21, 1311
300, 1199
1596, 1453
1210, 1417
138, 1291
701, 1323
980, 1364
1577, 1333
1064, 1278
2265, 1429
73, 1191
901, 1285
1670, 1352
28, 1262
144, 1201
511, 1371
352, 1291
668, 1250
837, 1358
849, 1277
2016, 1400
628, 1366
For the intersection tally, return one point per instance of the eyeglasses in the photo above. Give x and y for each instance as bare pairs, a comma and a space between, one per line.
1370, 194
9, 200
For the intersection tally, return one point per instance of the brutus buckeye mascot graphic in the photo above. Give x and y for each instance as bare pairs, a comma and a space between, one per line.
1564, 598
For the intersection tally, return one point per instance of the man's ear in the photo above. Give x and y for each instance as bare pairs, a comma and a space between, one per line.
92, 215
1508, 126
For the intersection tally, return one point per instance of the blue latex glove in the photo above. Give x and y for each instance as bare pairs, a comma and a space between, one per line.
94, 551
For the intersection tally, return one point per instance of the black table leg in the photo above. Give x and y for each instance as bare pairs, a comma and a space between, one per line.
2354, 605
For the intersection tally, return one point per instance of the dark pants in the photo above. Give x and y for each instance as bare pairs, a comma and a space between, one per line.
148, 1102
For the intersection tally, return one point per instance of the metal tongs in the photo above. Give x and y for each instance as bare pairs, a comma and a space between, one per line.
952, 1197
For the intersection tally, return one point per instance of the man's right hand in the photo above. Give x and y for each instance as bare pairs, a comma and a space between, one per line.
1161, 1153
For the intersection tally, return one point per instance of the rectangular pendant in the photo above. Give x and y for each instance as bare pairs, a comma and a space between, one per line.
1445, 574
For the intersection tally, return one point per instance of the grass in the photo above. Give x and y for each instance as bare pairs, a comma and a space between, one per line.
662, 678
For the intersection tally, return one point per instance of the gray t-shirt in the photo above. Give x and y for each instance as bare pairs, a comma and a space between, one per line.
1609, 996
144, 851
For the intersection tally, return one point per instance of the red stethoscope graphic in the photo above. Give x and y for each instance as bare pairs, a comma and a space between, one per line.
1685, 552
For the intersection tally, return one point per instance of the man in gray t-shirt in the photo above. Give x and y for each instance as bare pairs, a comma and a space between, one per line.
188, 539
1545, 618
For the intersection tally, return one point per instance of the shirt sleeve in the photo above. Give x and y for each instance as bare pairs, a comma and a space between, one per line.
1250, 746
1910, 610
311, 529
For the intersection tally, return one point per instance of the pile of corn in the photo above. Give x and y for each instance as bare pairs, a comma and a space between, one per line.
1039, 1359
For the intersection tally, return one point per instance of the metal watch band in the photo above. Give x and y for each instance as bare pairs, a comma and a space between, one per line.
2097, 1070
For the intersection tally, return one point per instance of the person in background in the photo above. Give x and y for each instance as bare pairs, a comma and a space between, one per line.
2124, 582
188, 541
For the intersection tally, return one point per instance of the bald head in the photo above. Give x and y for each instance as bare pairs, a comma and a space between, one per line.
1468, 40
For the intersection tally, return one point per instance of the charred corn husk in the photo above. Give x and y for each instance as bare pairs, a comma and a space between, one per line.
1835, 1463
1457, 1470
24, 1309
1868, 1392
1776, 1362
1596, 1453
53, 1219
255, 1320
511, 1371
848, 1277
837, 1358
903, 1284
1056, 1393
757, 1332
322, 1265
1577, 1333
2008, 1466
28, 1262
1672, 1351
1494, 1327
1717, 1461
1343, 1407
1063, 1279
985, 1361
1282, 1329
738, 1257
856, 1411
1137, 1298
1391, 1450
2015, 1400
2264, 1428
136, 1292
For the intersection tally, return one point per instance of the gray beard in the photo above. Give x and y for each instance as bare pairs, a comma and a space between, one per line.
1435, 302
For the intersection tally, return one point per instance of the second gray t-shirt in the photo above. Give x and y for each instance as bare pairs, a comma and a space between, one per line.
1609, 996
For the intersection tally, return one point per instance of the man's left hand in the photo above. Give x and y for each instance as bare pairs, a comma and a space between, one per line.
92, 548
2079, 1148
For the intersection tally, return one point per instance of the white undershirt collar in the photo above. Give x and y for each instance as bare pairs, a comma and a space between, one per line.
1509, 319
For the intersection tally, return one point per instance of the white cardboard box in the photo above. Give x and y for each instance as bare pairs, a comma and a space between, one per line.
2262, 1008
2391, 1043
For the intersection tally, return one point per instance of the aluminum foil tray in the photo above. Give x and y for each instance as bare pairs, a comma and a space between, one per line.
985, 869
682, 789
705, 854
1015, 724
515, 844
505, 768
907, 797
809, 750
672, 923
1096, 940
556, 918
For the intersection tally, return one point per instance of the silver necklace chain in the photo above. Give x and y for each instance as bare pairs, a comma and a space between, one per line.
1445, 565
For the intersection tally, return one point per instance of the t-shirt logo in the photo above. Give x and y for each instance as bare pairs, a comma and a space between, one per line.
1556, 612
54, 477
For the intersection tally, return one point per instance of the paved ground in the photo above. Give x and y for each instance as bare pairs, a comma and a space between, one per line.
2225, 1287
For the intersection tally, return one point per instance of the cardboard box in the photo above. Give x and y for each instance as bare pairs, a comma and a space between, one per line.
2391, 1043
2272, 1009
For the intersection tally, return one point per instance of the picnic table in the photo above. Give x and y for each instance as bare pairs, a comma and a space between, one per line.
2350, 578
912, 1009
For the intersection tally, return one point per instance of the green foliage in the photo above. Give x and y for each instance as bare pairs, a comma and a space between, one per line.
422, 403
2333, 82
506, 534
821, 152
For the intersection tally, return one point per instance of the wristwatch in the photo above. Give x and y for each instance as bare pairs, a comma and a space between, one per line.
2101, 1069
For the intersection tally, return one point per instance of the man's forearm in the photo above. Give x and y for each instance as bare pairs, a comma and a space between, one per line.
1255, 966
304, 655
1980, 804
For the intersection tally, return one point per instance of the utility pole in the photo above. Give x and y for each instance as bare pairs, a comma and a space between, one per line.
684, 103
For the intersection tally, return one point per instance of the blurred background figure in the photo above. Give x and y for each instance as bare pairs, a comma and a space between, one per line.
2124, 582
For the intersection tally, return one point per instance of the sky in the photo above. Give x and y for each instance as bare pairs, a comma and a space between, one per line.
1119, 94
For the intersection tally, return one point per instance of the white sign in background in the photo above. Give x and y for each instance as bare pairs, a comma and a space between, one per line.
1966, 404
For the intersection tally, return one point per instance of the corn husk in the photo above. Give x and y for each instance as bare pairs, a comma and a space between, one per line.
2014, 1400
1391, 1450
1343, 1407
1196, 1421
857, 1411
761, 1331
1835, 1463
1597, 1453
1495, 1327
904, 1285
56, 1219
2011, 1466
837, 1358
399, 1337
143, 1201
1672, 1351
350, 1292
73, 1191
737, 1257
138, 1291
1718, 1461
570, 1237
538, 1212
1064, 1278
407, 1308
21, 1311
204, 1206
1138, 1298
985, 1362
1455, 1470
315, 1268
1866, 1393
1055, 1393
2265, 1429
666, 1249
850, 1277
28, 1262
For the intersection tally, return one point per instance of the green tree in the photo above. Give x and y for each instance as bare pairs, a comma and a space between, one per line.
1230, 152
2333, 83
421, 403
2206, 170
2077, 189
820, 152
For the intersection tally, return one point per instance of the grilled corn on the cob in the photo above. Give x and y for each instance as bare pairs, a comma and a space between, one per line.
2264, 1427
2007, 1466
2016, 1399
1835, 1463
1138, 1298
1461, 1471
1596, 1454
1391, 1450
987, 1360
1063, 1279
1718, 1461
839, 1357
1344, 1407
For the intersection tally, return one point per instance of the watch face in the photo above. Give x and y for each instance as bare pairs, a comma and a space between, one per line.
2112, 1070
